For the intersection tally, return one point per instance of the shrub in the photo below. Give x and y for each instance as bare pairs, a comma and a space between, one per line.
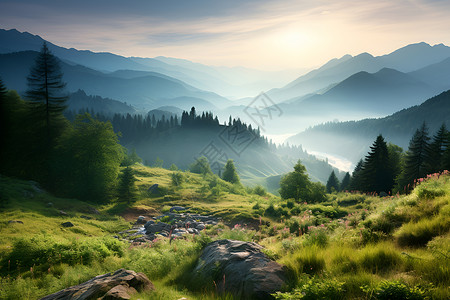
259, 190
420, 233
397, 290
316, 288
310, 262
177, 178
317, 236
380, 258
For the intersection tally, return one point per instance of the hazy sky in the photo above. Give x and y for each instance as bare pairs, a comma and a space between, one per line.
261, 34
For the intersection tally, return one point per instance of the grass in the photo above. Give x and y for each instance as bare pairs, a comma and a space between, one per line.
352, 246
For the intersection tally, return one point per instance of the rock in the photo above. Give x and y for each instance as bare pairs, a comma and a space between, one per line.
85, 217
50, 204
118, 285
15, 221
177, 208
67, 224
157, 227
239, 268
63, 213
153, 189
93, 210
149, 223
141, 220
200, 226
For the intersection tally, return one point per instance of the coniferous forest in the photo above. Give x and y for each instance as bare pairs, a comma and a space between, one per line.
130, 177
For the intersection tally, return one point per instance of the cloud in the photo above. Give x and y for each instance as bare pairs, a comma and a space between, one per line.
260, 33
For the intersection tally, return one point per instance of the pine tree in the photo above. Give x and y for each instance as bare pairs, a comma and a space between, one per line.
127, 191
332, 183
356, 180
345, 184
46, 88
229, 172
377, 174
414, 165
435, 151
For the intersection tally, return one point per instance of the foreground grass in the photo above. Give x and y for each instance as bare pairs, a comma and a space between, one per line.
351, 247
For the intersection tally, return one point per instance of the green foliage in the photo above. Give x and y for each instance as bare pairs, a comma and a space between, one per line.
126, 190
230, 173
318, 237
177, 178
158, 163
259, 190
131, 158
421, 232
200, 166
380, 258
332, 183
297, 185
316, 288
88, 159
397, 290
44, 251
345, 184
310, 261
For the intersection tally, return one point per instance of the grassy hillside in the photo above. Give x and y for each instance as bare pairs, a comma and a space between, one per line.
352, 246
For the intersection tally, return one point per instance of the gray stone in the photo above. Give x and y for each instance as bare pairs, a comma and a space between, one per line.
239, 268
177, 208
85, 217
141, 220
121, 284
153, 189
67, 224
63, 213
149, 223
15, 221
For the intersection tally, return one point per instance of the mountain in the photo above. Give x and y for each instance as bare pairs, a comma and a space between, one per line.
143, 90
232, 82
80, 101
383, 92
352, 139
436, 74
406, 59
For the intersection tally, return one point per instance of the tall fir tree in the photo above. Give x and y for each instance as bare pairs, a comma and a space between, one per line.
46, 87
435, 151
414, 165
332, 183
229, 172
345, 184
377, 175
126, 190
356, 179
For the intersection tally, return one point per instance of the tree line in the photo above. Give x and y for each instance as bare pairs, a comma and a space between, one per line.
387, 169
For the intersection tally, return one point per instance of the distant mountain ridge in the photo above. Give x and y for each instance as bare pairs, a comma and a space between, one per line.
352, 139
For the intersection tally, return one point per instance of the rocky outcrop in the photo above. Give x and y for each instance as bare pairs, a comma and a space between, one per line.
121, 284
239, 268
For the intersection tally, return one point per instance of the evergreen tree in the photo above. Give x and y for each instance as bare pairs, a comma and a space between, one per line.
126, 190
332, 183
297, 185
345, 184
377, 174
414, 165
201, 166
446, 155
436, 149
229, 172
46, 88
356, 179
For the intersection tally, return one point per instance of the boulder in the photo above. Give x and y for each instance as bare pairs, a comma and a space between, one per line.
85, 217
141, 220
239, 268
177, 208
118, 285
15, 221
67, 224
153, 189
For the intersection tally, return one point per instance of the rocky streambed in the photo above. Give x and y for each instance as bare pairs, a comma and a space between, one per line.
176, 223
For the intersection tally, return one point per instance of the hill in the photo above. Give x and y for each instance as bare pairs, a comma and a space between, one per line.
81, 101
352, 245
352, 139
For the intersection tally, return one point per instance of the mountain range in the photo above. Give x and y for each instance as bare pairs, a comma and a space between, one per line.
352, 139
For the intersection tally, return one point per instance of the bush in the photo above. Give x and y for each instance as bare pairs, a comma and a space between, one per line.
310, 262
380, 258
420, 233
316, 288
317, 236
396, 290
259, 190
177, 178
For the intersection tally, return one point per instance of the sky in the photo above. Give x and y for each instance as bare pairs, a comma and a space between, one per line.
261, 34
